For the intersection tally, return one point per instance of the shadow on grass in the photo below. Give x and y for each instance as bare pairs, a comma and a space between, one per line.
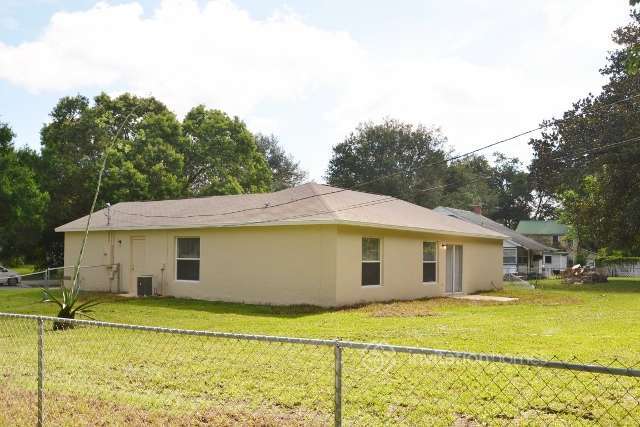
220, 307
548, 292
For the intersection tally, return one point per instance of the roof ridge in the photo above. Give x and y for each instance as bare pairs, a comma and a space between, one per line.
322, 199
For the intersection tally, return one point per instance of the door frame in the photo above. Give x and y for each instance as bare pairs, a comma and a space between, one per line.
454, 260
133, 285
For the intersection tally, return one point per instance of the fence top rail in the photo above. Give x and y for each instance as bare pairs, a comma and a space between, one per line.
480, 357
51, 269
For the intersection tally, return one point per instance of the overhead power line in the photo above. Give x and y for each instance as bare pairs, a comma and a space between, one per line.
361, 184
388, 199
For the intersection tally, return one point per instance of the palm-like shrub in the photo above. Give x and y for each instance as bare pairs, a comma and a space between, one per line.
70, 305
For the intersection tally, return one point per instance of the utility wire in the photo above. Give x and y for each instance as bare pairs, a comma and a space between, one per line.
580, 156
456, 157
388, 199
570, 156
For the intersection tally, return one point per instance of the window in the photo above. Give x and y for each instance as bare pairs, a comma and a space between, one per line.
509, 256
556, 239
429, 262
188, 258
547, 259
370, 261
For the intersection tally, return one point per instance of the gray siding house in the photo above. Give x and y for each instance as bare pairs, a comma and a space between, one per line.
521, 255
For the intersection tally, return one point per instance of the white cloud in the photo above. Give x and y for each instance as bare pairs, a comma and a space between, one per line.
311, 85
183, 54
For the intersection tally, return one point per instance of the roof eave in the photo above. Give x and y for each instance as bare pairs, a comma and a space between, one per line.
64, 229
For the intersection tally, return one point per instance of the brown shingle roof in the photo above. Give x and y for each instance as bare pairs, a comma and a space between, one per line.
306, 204
485, 222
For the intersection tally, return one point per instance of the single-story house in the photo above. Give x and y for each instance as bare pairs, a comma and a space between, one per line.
554, 234
312, 244
521, 256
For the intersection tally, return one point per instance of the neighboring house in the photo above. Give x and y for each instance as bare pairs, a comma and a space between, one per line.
312, 244
554, 234
521, 255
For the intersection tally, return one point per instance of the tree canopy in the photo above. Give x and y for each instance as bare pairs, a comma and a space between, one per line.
393, 158
23, 203
411, 162
589, 160
285, 171
221, 155
155, 157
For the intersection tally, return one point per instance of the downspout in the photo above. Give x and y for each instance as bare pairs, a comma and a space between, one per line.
110, 238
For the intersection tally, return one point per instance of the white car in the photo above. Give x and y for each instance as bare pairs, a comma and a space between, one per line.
8, 277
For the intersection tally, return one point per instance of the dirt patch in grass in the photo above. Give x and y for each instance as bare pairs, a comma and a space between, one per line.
19, 408
539, 297
415, 308
428, 307
463, 420
399, 309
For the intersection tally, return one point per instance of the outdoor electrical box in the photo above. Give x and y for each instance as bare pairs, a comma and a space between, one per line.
145, 286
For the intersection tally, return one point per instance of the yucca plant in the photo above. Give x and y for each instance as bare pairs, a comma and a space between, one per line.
70, 305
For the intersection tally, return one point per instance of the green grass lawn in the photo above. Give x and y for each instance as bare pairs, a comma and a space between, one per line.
23, 269
167, 379
588, 321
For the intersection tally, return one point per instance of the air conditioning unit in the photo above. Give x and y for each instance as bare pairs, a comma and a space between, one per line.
145, 285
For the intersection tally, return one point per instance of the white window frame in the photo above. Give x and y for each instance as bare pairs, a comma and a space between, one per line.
428, 262
379, 261
515, 256
187, 259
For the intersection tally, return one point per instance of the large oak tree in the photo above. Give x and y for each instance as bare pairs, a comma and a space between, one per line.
22, 202
597, 183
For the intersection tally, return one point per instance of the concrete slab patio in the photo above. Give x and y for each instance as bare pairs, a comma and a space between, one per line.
484, 298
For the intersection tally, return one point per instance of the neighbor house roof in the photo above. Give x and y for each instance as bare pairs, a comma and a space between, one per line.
306, 204
485, 222
541, 227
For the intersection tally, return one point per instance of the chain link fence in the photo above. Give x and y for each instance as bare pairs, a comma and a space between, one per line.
56, 276
60, 372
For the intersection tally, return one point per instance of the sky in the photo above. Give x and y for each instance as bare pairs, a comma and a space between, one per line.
310, 71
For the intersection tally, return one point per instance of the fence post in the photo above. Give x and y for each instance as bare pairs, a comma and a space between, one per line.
40, 370
338, 384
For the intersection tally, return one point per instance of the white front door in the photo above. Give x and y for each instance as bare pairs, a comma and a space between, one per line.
454, 269
138, 261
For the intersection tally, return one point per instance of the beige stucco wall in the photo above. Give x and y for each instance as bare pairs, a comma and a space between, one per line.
402, 265
96, 277
270, 265
314, 264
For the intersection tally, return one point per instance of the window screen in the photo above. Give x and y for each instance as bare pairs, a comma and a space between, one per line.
188, 258
547, 259
370, 261
429, 261
509, 255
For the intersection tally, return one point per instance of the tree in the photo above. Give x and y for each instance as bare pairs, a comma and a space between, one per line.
144, 163
410, 162
393, 158
586, 209
632, 62
23, 202
574, 158
221, 156
513, 195
285, 170
468, 184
